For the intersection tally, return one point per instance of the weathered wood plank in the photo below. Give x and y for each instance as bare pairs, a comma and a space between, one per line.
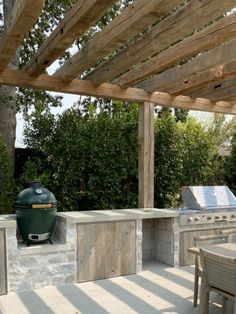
122, 248
208, 38
3, 265
23, 16
92, 251
83, 87
228, 94
106, 250
185, 102
166, 80
188, 84
192, 16
134, 19
81, 16
146, 155
212, 88
215, 90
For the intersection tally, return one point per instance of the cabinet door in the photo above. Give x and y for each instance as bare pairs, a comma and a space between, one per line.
91, 251
106, 250
3, 270
122, 248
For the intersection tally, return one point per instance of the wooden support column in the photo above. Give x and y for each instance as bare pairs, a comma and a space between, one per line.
146, 155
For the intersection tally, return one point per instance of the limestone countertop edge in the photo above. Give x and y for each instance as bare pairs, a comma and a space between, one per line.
7, 221
77, 217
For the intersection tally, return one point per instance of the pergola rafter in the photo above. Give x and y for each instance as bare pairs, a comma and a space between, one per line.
205, 39
223, 89
175, 27
132, 21
172, 79
24, 14
169, 34
78, 20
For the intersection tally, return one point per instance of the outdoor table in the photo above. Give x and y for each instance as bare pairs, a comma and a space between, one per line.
220, 274
225, 249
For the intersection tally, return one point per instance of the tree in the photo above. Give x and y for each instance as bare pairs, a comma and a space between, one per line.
12, 99
230, 164
7, 100
97, 168
185, 154
6, 180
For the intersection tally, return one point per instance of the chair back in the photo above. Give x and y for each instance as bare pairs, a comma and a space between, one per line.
202, 241
231, 233
219, 271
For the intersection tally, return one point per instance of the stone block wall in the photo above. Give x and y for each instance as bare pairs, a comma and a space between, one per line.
148, 239
42, 265
166, 243
160, 240
139, 240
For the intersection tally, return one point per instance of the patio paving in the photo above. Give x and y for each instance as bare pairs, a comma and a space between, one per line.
157, 289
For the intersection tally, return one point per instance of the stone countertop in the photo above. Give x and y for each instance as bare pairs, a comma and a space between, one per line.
7, 221
116, 215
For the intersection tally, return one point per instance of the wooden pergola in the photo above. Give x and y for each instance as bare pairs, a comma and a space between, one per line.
170, 54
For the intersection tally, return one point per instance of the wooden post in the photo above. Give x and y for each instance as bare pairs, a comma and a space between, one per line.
146, 155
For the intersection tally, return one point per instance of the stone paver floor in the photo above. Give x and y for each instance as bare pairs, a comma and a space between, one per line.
157, 289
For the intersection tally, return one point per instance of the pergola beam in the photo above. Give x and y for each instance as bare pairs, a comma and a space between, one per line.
168, 81
23, 15
205, 39
194, 15
146, 155
88, 88
81, 16
133, 20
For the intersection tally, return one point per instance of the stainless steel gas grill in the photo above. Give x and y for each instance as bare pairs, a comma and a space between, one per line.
207, 210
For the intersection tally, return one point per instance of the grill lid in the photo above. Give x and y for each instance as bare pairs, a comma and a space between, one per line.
208, 197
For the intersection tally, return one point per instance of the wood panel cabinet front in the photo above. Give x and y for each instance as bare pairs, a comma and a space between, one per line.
106, 249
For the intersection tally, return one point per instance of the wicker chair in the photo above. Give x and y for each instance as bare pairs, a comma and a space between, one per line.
200, 242
231, 233
219, 275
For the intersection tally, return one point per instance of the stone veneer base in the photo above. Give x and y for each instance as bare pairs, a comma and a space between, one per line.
44, 264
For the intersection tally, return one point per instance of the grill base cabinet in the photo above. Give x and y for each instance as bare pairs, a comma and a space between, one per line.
106, 250
3, 265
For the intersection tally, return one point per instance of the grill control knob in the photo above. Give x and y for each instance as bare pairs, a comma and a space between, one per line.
233, 216
190, 219
224, 217
217, 217
196, 218
209, 218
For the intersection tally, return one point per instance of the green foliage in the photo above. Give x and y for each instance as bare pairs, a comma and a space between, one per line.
6, 180
199, 152
230, 164
168, 161
88, 156
89, 161
185, 154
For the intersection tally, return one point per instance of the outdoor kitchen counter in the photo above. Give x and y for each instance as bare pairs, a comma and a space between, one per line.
116, 215
7, 221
